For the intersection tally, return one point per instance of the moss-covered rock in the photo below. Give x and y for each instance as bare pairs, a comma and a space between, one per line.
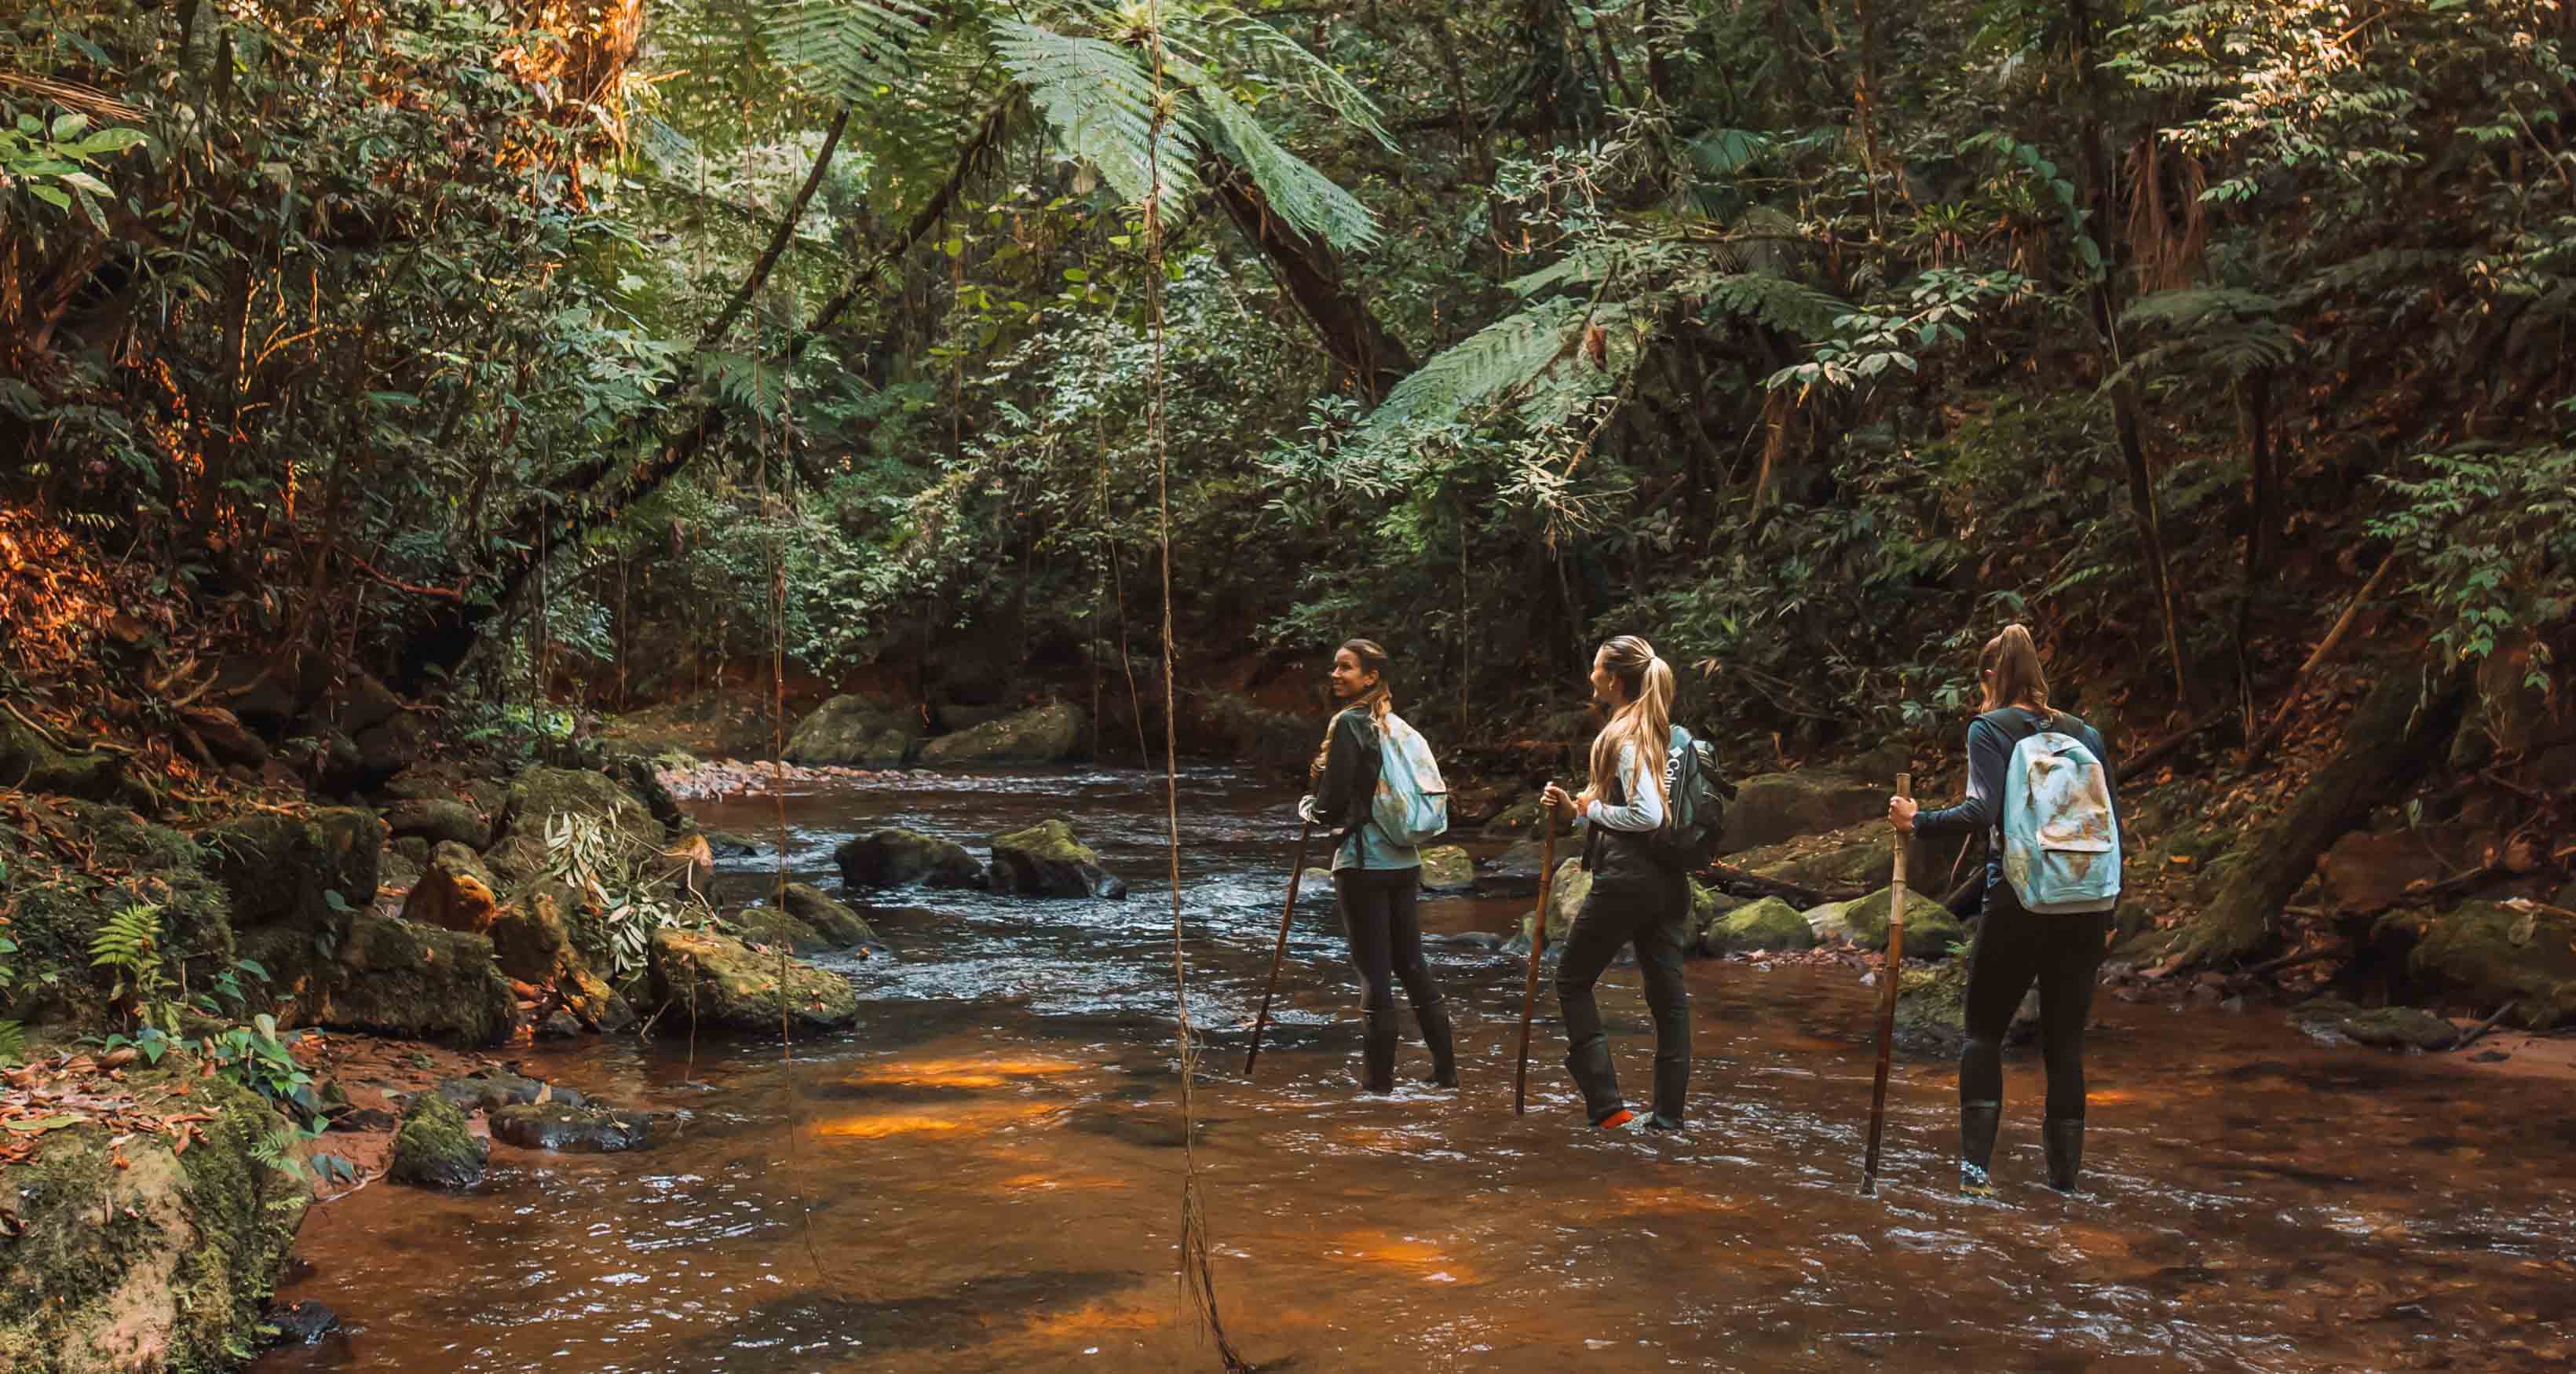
1855, 858
1826, 920
1772, 807
725, 985
540, 795
1930, 929
1521, 818
398, 977
163, 1263
1046, 860
590, 1130
32, 762
1769, 924
454, 893
854, 730
897, 857
769, 927
56, 907
531, 943
837, 925
1446, 868
1044, 734
286, 869
2490, 953
434, 1148
440, 820
2394, 1028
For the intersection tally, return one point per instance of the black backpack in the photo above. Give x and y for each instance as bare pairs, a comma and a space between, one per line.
1695, 810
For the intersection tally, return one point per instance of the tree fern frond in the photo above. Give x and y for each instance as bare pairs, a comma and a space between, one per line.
1100, 100
853, 49
666, 147
13, 1042
1288, 63
1297, 193
1584, 265
1792, 307
2191, 307
1724, 152
1494, 360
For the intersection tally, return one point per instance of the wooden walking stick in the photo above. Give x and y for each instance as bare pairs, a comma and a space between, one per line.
1279, 953
1538, 945
1894, 974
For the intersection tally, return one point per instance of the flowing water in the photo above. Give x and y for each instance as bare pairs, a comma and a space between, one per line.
988, 1170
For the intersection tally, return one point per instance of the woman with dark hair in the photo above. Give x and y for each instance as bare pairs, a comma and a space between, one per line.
1375, 879
2015, 947
1635, 895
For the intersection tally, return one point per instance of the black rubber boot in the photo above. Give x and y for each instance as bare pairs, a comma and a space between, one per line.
1437, 1038
2065, 1138
1377, 1051
1978, 1123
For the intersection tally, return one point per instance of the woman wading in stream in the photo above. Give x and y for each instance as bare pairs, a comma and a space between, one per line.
2015, 946
1375, 879
1636, 896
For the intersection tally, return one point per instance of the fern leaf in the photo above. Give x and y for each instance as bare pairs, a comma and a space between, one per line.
853, 49
1494, 360
1100, 101
13, 1042
2190, 307
1287, 62
1297, 193
1584, 265
1792, 307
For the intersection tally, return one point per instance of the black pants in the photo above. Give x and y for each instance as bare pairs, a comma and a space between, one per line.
1656, 916
2014, 949
1386, 937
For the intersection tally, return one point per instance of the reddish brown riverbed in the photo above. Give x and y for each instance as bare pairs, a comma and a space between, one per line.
984, 1173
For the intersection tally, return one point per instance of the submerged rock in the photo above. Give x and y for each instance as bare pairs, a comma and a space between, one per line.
1045, 734
897, 857
489, 1090
1046, 860
1769, 924
579, 1130
836, 925
1930, 929
1446, 868
434, 1149
306, 1323
724, 984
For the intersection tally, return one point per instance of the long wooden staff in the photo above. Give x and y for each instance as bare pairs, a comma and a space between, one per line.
1893, 974
1538, 946
1279, 953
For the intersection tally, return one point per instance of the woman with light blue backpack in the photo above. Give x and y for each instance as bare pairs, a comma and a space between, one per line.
1377, 869
2041, 789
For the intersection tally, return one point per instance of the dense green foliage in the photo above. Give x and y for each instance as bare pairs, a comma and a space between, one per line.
1808, 339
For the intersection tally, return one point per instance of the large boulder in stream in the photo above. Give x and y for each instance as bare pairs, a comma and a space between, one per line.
1043, 734
855, 730
591, 1130
726, 985
1046, 860
1930, 929
896, 857
1773, 807
1769, 925
840, 927
118, 1253
401, 978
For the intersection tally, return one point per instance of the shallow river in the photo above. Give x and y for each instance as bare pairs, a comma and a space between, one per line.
984, 1173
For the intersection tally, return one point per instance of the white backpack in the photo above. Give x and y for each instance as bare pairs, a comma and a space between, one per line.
1412, 803
2061, 840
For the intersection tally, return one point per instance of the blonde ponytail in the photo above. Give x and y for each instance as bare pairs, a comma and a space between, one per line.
1644, 724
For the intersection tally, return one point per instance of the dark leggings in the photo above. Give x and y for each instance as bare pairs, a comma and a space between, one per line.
1386, 936
2013, 950
1656, 916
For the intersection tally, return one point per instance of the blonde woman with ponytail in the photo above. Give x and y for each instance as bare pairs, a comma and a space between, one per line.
1636, 897
1375, 880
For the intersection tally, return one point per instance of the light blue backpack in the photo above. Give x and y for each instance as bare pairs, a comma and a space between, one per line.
2061, 840
1412, 803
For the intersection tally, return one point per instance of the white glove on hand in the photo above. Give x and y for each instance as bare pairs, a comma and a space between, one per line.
1306, 810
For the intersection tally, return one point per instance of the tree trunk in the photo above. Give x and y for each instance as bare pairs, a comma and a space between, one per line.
1360, 347
2399, 729
2106, 323
2257, 393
